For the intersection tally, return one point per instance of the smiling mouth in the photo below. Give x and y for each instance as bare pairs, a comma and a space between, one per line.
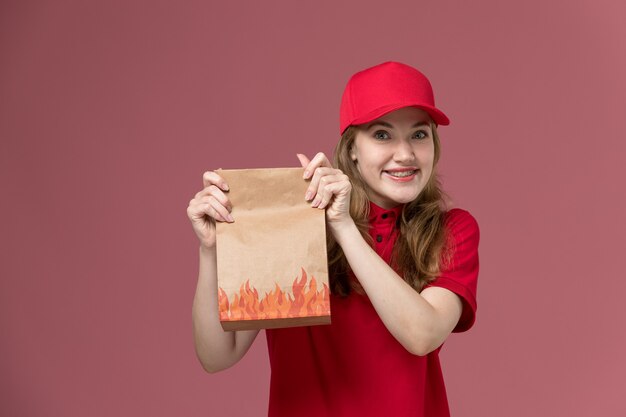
401, 174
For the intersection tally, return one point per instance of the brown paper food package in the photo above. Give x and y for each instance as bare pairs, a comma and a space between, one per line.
272, 268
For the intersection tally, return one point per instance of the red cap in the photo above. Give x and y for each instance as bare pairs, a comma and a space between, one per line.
383, 88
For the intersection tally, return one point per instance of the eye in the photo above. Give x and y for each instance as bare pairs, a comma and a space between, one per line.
382, 132
423, 133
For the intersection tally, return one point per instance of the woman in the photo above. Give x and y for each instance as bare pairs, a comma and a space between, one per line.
403, 267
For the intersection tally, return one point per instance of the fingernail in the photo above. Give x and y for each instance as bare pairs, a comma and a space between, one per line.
306, 174
230, 218
308, 195
226, 187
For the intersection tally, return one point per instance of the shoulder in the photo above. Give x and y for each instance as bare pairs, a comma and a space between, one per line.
461, 222
459, 270
462, 236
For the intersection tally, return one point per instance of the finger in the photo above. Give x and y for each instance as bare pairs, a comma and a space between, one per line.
324, 161
218, 194
315, 181
214, 215
211, 177
333, 190
195, 211
200, 210
328, 186
304, 161
318, 160
218, 211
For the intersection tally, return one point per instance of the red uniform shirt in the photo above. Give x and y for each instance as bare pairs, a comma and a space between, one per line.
355, 367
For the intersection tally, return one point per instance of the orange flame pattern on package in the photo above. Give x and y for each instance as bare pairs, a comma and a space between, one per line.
305, 302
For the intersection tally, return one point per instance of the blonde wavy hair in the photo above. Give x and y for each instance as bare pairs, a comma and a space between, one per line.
421, 244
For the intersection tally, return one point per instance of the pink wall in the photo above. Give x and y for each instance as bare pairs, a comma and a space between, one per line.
110, 113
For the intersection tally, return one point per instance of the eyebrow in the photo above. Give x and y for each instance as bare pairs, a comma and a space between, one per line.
389, 125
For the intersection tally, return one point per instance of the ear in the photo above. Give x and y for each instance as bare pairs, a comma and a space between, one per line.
352, 155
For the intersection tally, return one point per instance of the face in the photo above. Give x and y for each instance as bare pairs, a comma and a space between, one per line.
394, 155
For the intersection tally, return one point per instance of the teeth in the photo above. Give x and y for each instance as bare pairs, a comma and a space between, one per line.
401, 174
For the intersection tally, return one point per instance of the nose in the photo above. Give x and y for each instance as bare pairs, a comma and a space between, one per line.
404, 152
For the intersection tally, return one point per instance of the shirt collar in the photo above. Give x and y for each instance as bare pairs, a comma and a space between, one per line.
380, 215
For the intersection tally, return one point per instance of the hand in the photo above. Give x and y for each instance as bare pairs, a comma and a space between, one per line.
208, 205
329, 188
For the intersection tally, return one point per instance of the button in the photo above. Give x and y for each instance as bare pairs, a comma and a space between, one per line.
385, 215
379, 238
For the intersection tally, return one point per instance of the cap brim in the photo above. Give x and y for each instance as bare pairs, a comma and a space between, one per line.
437, 115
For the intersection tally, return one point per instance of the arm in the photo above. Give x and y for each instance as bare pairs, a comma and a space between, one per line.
421, 322
215, 348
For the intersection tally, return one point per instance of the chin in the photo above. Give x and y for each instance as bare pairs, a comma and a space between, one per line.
408, 195
405, 198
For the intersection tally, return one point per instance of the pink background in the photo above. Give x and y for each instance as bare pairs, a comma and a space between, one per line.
111, 112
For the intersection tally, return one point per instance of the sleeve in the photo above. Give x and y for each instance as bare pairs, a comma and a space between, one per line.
461, 274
